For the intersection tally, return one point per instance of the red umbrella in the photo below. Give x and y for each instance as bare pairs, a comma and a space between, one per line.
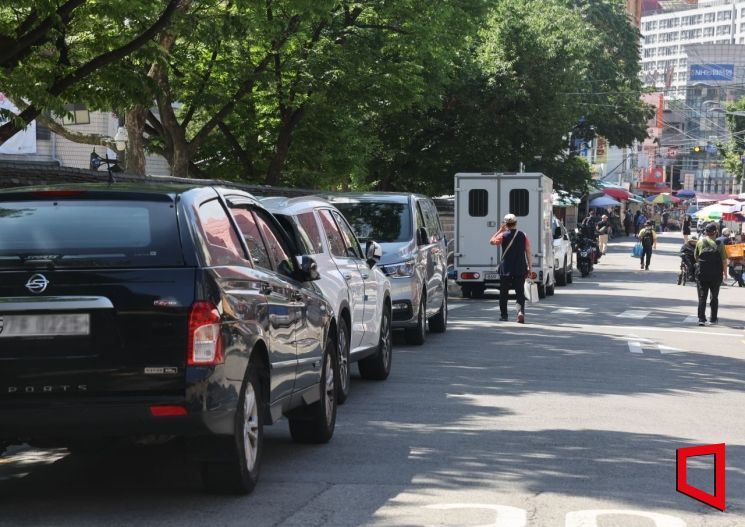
618, 193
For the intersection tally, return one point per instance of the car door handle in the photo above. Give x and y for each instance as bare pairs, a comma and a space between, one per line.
365, 276
265, 288
297, 297
347, 276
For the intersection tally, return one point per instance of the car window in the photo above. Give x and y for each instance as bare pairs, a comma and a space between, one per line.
350, 240
307, 225
246, 222
432, 221
380, 222
333, 235
89, 233
278, 250
222, 242
419, 216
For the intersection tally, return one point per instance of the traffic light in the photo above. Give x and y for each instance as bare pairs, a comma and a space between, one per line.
696, 150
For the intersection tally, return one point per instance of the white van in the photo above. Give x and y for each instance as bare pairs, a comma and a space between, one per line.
481, 201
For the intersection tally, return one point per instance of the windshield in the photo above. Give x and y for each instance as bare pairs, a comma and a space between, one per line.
80, 233
380, 222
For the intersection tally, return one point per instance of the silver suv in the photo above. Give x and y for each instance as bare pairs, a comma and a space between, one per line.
408, 228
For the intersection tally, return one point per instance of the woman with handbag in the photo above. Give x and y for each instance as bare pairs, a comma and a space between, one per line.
515, 266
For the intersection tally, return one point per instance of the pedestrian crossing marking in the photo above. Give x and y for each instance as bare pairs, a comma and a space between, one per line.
638, 348
571, 311
691, 320
455, 306
635, 314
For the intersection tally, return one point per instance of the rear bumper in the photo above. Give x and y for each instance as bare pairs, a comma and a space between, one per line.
109, 417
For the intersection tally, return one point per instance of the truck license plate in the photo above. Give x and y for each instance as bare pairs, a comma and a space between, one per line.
44, 325
491, 276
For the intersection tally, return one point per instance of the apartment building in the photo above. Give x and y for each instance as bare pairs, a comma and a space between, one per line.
669, 28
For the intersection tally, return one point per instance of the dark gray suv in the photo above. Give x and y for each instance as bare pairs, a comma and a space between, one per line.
408, 229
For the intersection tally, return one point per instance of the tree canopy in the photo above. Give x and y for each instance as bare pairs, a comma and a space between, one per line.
333, 93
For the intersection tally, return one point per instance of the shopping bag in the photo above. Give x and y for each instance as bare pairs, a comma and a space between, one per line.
531, 291
637, 251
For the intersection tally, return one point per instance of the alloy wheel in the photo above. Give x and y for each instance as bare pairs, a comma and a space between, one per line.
250, 426
329, 390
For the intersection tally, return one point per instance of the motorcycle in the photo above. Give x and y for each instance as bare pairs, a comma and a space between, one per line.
736, 268
587, 253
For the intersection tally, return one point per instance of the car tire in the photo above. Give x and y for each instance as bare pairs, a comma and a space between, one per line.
466, 291
439, 322
541, 291
561, 278
570, 276
344, 373
315, 424
239, 473
417, 335
478, 292
377, 367
550, 289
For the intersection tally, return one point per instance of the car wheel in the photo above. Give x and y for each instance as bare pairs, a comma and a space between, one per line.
240, 472
315, 424
570, 276
550, 289
541, 291
417, 335
466, 291
478, 292
439, 322
345, 370
377, 367
561, 278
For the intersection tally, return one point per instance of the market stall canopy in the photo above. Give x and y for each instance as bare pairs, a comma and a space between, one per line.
663, 199
654, 188
708, 197
564, 200
686, 194
718, 210
604, 201
618, 193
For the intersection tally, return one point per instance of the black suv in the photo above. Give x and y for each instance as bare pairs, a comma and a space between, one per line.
142, 310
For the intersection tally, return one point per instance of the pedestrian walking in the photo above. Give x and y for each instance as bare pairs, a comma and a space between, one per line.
515, 266
665, 220
648, 239
711, 271
628, 222
641, 221
602, 228
686, 227
637, 225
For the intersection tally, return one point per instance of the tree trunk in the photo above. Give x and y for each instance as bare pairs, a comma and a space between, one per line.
282, 148
135, 153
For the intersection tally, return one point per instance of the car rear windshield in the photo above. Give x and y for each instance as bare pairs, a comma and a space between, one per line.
380, 222
88, 233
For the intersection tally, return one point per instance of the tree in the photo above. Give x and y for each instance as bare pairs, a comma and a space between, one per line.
53, 53
734, 149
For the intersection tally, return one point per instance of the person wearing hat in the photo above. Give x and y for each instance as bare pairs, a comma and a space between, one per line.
515, 266
602, 228
648, 239
711, 271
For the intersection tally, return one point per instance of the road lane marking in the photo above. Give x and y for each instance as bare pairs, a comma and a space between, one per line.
636, 347
571, 311
455, 306
656, 329
691, 320
635, 314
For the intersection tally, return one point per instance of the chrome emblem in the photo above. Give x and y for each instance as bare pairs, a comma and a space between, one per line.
37, 283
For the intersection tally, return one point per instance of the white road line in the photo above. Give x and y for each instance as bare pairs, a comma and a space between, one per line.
455, 306
573, 327
691, 320
636, 347
631, 313
667, 349
571, 311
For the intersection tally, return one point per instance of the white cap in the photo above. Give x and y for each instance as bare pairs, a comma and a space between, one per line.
725, 232
510, 218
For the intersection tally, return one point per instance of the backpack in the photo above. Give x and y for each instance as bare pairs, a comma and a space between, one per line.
647, 238
709, 265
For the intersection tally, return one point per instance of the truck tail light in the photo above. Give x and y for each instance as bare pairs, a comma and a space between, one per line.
205, 344
470, 276
167, 411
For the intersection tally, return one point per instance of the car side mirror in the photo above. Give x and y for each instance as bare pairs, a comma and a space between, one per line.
309, 269
373, 253
422, 236
557, 233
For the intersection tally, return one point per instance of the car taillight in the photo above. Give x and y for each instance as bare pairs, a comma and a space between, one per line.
470, 276
205, 344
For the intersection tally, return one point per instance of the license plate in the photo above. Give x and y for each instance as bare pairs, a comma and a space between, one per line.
44, 325
491, 276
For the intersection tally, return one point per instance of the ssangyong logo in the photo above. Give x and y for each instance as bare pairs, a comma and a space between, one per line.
37, 284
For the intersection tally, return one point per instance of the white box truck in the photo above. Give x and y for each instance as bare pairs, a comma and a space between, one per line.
481, 202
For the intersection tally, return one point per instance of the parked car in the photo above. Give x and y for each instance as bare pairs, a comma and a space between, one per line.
359, 292
408, 228
143, 310
563, 253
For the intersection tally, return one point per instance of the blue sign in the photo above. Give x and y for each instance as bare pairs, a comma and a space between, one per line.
711, 149
712, 72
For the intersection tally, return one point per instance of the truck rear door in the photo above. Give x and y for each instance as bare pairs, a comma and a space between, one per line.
521, 196
94, 296
478, 217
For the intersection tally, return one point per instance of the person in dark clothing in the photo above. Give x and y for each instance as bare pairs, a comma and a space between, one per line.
515, 266
648, 239
637, 224
628, 223
665, 220
711, 270
686, 228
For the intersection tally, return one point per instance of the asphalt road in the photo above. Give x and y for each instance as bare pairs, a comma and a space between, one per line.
578, 411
